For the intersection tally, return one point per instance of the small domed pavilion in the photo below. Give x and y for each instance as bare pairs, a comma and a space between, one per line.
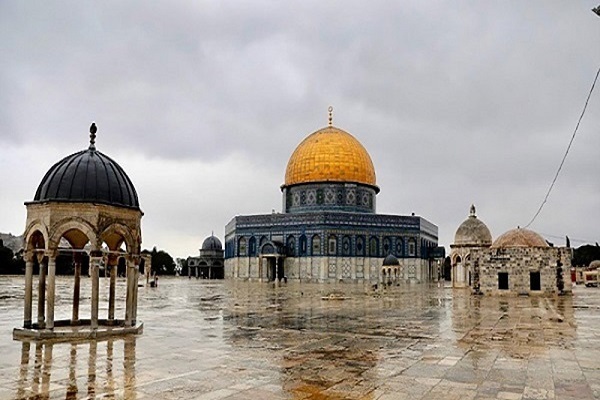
209, 265
471, 234
85, 207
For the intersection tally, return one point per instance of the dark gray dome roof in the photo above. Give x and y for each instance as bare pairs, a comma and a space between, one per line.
87, 177
212, 243
390, 260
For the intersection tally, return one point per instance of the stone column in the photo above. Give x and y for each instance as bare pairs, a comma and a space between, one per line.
112, 263
95, 276
42, 294
46, 367
76, 288
50, 294
135, 296
28, 291
129, 295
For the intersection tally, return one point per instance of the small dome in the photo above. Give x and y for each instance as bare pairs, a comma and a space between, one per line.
330, 155
87, 177
212, 243
520, 237
473, 232
390, 260
594, 264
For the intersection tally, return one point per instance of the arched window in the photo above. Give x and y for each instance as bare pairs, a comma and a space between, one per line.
316, 245
263, 240
303, 245
387, 246
252, 246
291, 246
399, 247
346, 245
373, 247
412, 251
332, 245
360, 246
242, 247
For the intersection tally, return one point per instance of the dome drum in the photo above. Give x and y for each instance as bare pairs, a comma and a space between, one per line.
329, 196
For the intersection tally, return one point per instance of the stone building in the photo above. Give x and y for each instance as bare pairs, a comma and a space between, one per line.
210, 263
521, 262
85, 207
471, 234
328, 229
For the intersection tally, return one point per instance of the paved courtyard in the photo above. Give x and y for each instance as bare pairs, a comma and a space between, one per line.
239, 340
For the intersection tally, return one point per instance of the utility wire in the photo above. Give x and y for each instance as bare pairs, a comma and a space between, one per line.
566, 152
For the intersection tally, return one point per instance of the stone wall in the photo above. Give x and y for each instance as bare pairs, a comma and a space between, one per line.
519, 263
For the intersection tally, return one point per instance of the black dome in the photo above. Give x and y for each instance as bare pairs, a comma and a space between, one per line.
87, 177
212, 243
390, 260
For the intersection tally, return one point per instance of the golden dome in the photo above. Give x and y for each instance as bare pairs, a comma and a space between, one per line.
520, 237
330, 155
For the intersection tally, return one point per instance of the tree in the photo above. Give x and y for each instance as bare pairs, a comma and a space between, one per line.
584, 255
6, 259
162, 263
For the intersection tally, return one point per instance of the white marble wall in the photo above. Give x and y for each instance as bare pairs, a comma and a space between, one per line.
329, 269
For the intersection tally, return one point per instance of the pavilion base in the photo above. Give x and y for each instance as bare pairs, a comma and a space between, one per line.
66, 330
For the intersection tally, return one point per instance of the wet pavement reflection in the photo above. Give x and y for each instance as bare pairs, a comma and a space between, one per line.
247, 340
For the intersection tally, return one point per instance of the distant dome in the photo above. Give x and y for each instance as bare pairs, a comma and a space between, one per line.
212, 243
520, 237
473, 232
87, 177
330, 155
594, 264
390, 260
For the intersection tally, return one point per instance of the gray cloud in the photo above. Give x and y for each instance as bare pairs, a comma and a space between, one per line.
457, 102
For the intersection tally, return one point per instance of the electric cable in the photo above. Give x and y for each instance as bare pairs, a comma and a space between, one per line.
566, 152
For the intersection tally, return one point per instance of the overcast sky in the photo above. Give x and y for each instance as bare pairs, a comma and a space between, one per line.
203, 102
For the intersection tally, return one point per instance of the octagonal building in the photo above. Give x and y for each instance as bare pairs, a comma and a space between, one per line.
328, 229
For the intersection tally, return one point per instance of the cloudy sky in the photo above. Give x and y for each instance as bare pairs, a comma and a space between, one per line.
203, 102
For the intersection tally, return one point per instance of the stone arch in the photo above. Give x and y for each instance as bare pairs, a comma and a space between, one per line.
456, 258
72, 224
36, 228
108, 237
35, 241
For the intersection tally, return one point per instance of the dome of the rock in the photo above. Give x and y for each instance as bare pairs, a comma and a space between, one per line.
330, 155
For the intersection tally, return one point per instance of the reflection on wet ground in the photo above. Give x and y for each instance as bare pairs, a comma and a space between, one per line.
240, 340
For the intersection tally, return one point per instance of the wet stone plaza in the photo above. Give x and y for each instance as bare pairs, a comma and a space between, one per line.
212, 340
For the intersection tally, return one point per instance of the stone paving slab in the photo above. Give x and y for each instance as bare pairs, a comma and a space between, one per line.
249, 340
